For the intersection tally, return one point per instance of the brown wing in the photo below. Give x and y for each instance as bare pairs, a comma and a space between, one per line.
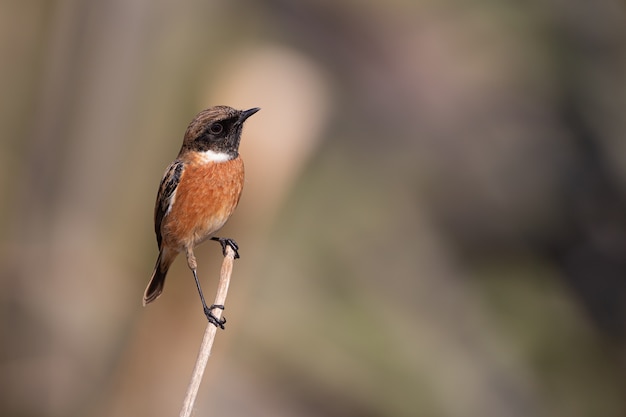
166, 195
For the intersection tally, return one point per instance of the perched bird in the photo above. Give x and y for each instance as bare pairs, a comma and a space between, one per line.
198, 193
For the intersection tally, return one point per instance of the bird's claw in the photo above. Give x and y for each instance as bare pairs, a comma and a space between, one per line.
224, 241
212, 318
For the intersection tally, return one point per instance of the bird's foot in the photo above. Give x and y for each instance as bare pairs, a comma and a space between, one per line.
224, 241
212, 318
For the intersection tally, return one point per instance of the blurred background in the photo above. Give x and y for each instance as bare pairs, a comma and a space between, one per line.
433, 221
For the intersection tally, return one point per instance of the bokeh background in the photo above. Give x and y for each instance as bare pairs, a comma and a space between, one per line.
433, 221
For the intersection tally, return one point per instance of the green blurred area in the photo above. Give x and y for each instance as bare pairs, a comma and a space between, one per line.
433, 221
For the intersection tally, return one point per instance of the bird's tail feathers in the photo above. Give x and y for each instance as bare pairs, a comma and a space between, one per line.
155, 286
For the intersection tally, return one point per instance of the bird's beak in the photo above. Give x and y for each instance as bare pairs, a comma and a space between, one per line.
247, 113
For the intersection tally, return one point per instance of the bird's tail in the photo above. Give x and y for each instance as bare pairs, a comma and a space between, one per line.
155, 286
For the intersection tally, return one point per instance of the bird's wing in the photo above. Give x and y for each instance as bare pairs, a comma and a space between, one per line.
167, 194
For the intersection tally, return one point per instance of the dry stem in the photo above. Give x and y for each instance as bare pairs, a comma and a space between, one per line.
209, 335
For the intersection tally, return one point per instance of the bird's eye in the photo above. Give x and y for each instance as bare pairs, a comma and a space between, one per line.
216, 128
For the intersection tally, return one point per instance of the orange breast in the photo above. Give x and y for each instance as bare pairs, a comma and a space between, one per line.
206, 196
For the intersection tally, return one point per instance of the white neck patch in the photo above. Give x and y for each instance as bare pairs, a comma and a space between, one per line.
212, 156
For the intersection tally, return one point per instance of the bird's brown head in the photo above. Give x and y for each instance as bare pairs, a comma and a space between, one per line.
216, 130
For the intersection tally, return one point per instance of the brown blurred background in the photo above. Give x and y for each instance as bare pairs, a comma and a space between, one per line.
433, 221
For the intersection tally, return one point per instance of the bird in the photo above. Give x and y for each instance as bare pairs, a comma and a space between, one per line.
198, 193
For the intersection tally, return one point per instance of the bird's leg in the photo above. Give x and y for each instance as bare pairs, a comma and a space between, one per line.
224, 241
208, 311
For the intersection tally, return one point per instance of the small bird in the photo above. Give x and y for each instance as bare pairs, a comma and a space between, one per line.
198, 192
